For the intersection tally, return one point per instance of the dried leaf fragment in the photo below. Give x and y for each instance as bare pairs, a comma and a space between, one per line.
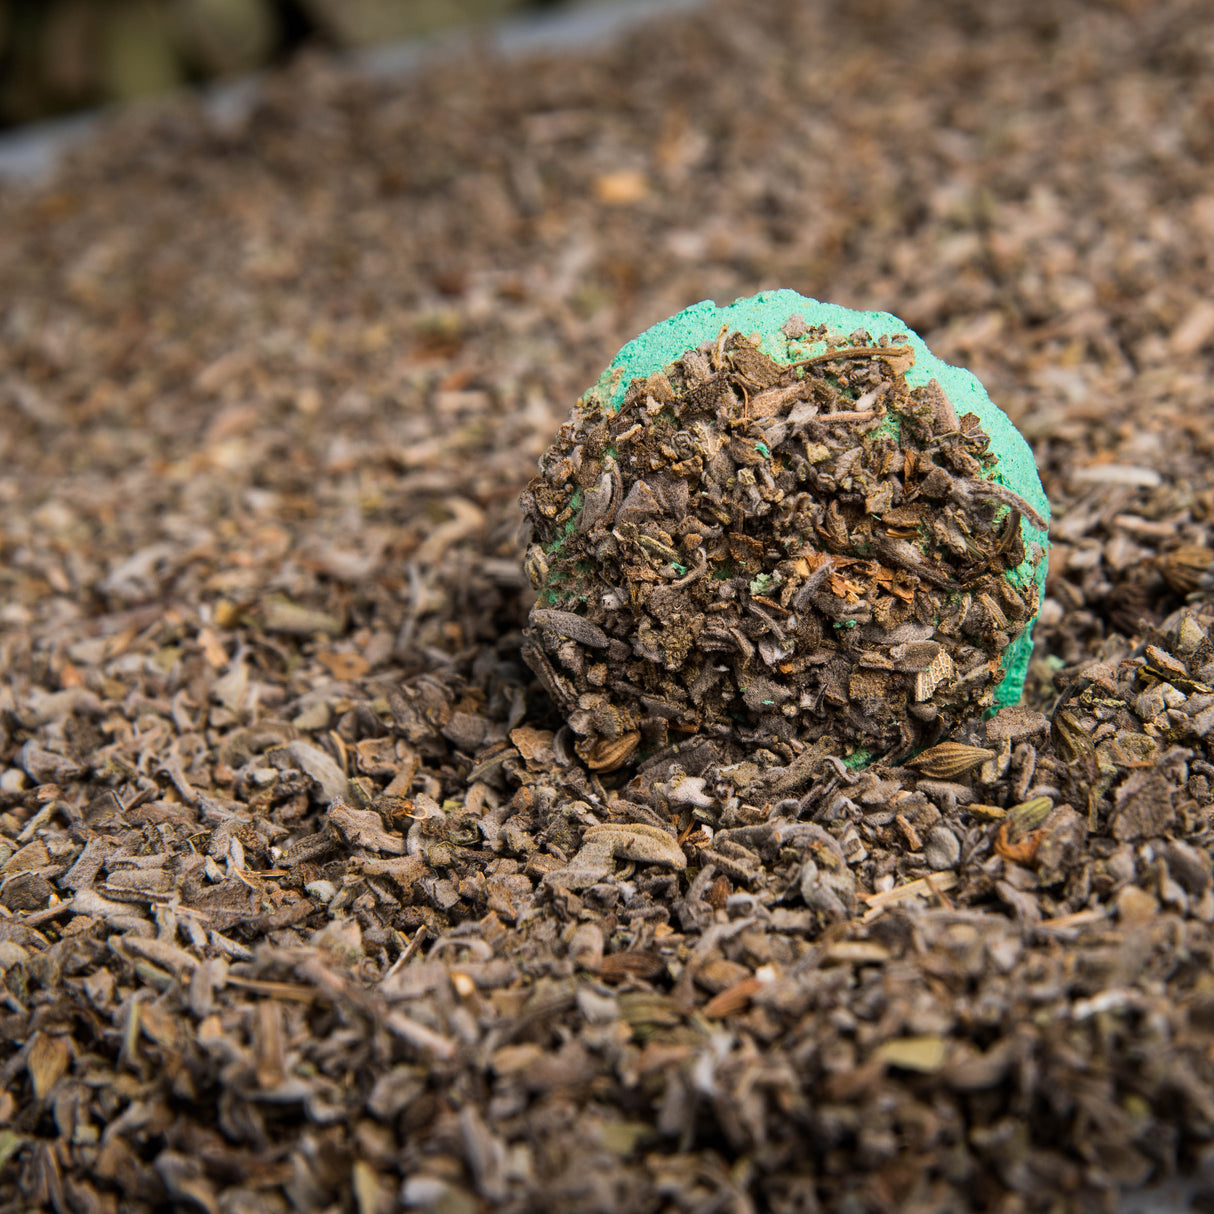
535, 745
1187, 567
732, 999
941, 669
621, 187
46, 1062
316, 763
925, 1054
295, 619
637, 841
365, 828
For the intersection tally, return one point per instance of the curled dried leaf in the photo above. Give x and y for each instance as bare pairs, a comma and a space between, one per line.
1020, 833
1020, 851
607, 754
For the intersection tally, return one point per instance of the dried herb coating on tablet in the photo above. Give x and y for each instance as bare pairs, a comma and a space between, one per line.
775, 553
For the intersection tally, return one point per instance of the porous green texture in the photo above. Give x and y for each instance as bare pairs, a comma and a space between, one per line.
766, 314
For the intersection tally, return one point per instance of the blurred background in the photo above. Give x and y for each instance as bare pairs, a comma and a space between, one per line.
58, 56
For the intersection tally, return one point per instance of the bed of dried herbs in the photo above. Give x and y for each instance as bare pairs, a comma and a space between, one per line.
771, 555
308, 900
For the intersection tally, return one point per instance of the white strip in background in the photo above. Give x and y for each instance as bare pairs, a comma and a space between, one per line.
31, 153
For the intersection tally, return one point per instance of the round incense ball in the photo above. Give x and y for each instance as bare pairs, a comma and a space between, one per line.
777, 524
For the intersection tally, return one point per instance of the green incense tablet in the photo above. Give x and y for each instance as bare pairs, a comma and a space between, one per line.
779, 520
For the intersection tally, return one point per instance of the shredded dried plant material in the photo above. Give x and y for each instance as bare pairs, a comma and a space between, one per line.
308, 902
768, 554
